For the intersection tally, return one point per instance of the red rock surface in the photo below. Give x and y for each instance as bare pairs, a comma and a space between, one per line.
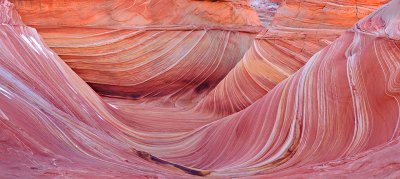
291, 39
151, 59
213, 96
125, 13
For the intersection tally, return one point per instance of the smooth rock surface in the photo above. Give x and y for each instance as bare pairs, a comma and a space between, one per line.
184, 97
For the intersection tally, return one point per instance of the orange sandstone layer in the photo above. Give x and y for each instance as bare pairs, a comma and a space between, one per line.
126, 13
178, 55
299, 29
176, 61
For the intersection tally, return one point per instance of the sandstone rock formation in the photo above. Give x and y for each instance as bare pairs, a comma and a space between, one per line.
291, 39
199, 92
149, 59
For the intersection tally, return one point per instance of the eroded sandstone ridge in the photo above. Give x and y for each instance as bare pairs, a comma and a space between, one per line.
199, 88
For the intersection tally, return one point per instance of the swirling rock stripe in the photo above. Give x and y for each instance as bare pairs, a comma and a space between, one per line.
342, 102
324, 14
53, 124
280, 51
270, 60
147, 63
337, 115
127, 13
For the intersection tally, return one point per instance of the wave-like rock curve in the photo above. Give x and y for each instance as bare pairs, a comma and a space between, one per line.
337, 116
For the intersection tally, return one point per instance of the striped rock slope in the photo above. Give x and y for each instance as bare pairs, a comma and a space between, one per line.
147, 56
281, 50
337, 116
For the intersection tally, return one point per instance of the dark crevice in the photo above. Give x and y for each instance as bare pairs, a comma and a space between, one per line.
148, 157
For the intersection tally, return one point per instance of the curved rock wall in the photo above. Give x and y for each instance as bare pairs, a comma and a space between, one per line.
299, 103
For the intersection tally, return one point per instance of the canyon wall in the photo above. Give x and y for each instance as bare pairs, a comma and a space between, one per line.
177, 96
